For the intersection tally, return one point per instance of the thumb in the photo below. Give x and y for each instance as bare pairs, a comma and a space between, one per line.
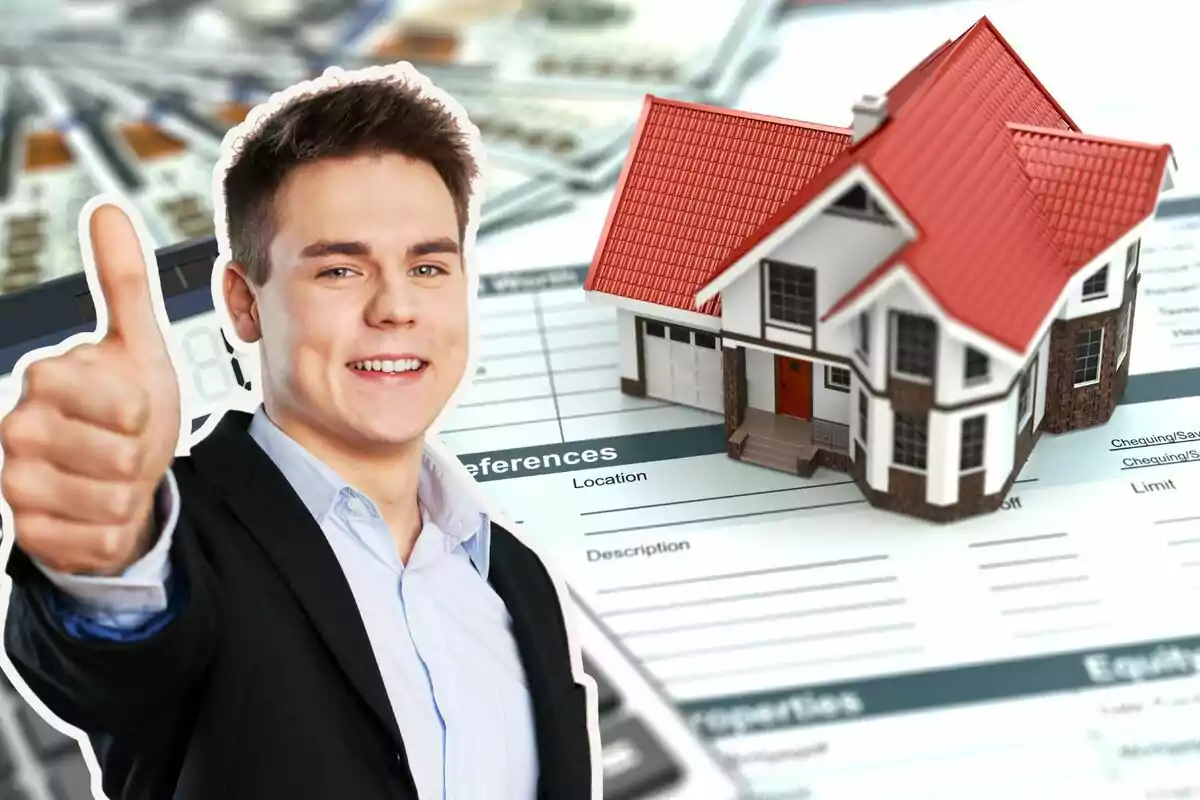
114, 253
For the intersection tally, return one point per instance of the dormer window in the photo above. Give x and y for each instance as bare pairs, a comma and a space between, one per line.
1096, 286
857, 202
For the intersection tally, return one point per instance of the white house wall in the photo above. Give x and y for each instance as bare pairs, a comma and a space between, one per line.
842, 250
880, 422
1075, 306
760, 379
830, 405
1043, 373
952, 387
627, 345
739, 305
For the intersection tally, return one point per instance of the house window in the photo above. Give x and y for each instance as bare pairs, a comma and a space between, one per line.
1025, 396
1123, 333
1132, 256
916, 344
656, 330
971, 447
681, 335
977, 369
837, 378
863, 416
864, 335
1096, 286
791, 294
706, 340
857, 202
910, 442
1088, 344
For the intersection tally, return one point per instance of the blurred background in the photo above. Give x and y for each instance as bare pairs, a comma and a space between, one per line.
135, 96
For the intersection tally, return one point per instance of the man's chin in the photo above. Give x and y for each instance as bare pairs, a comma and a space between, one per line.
381, 431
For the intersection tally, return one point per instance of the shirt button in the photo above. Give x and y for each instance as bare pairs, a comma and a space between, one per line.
356, 507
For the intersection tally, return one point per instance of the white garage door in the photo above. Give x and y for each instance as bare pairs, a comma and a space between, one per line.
683, 366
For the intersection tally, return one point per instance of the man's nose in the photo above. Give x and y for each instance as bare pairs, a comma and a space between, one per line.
393, 303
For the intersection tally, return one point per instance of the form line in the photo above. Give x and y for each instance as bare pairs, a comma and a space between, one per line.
1018, 540
781, 617
714, 497
1027, 562
763, 595
723, 518
751, 573
1010, 587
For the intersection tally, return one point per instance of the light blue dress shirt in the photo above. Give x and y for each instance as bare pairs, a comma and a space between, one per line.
440, 633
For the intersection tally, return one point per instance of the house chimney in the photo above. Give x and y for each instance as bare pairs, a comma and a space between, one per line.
869, 113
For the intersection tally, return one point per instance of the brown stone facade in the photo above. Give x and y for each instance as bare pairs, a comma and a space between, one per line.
733, 370
1068, 407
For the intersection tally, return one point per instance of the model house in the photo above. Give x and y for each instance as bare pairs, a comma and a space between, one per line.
912, 300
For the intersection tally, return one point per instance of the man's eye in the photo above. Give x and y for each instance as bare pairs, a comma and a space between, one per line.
428, 270
335, 272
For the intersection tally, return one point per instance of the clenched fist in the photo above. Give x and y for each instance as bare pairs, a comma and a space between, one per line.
95, 430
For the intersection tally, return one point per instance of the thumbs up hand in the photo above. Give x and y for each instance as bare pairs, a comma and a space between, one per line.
95, 431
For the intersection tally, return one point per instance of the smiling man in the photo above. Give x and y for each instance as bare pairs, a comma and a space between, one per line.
312, 604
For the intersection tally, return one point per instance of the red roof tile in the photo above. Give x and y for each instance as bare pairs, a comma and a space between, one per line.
698, 181
1091, 191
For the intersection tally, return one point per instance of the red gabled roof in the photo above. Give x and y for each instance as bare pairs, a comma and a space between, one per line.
986, 250
698, 181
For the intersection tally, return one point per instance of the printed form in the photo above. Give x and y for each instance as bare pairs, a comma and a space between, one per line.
831, 650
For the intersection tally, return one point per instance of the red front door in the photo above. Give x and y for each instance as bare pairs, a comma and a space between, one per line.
793, 387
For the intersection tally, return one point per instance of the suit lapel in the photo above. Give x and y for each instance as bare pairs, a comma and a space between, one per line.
266, 504
506, 577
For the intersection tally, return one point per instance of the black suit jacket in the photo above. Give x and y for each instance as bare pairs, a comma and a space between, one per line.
265, 686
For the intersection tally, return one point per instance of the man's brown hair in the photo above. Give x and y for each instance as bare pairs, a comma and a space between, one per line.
373, 117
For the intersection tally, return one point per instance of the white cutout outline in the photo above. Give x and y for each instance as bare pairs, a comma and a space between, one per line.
332, 78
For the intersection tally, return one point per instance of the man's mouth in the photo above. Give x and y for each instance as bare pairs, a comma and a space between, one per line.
389, 366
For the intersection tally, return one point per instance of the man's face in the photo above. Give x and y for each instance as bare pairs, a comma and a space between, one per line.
364, 318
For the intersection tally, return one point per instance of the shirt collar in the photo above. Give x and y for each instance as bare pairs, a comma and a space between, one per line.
444, 502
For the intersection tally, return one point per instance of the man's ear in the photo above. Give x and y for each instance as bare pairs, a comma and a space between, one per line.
241, 302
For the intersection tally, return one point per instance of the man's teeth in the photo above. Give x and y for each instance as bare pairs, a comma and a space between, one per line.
403, 365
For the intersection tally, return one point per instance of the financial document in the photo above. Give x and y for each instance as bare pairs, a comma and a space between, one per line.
831, 650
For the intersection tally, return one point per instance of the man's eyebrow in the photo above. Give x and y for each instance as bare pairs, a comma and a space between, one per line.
433, 247
327, 248
429, 247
